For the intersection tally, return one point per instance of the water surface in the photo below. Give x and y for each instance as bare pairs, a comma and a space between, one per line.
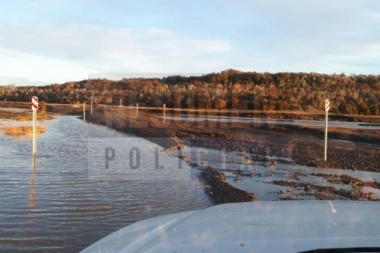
62, 203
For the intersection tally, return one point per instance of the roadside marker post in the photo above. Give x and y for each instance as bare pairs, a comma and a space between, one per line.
34, 110
137, 109
91, 108
164, 106
84, 112
120, 102
327, 108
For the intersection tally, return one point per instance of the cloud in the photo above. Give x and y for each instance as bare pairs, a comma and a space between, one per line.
24, 69
255, 35
297, 35
7, 80
102, 48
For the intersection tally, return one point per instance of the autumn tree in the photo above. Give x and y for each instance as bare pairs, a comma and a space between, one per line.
219, 103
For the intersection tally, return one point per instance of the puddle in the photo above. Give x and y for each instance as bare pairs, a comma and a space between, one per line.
263, 175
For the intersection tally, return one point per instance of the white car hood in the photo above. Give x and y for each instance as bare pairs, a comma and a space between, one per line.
278, 226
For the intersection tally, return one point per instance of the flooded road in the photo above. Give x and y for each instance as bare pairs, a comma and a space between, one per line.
263, 176
81, 187
272, 122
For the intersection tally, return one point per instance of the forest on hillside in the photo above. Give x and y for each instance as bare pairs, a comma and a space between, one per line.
354, 94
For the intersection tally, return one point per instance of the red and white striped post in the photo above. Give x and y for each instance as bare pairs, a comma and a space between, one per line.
327, 108
34, 109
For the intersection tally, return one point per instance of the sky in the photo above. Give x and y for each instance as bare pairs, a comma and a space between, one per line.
56, 41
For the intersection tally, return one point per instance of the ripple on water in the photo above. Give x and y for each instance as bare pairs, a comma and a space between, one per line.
60, 206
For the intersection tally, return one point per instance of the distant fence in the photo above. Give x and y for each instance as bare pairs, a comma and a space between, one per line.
223, 111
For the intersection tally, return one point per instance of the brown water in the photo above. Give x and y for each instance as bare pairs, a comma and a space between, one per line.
62, 203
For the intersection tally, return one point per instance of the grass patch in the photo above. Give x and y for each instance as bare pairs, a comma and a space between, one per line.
19, 131
23, 116
29, 117
5, 114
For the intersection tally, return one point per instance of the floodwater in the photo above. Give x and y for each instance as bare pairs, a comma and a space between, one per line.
15, 109
86, 182
272, 122
245, 172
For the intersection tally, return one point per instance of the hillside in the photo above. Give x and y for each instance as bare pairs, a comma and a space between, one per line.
354, 94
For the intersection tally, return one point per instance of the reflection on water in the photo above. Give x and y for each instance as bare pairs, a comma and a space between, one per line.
54, 203
32, 187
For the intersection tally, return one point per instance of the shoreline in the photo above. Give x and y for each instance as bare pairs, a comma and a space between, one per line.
219, 192
77, 109
304, 147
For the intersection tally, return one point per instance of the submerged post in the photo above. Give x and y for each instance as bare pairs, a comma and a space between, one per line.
327, 108
84, 112
34, 110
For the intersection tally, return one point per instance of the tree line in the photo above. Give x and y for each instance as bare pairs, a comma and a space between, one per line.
353, 94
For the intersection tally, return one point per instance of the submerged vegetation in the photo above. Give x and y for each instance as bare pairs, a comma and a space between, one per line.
353, 94
26, 115
23, 130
